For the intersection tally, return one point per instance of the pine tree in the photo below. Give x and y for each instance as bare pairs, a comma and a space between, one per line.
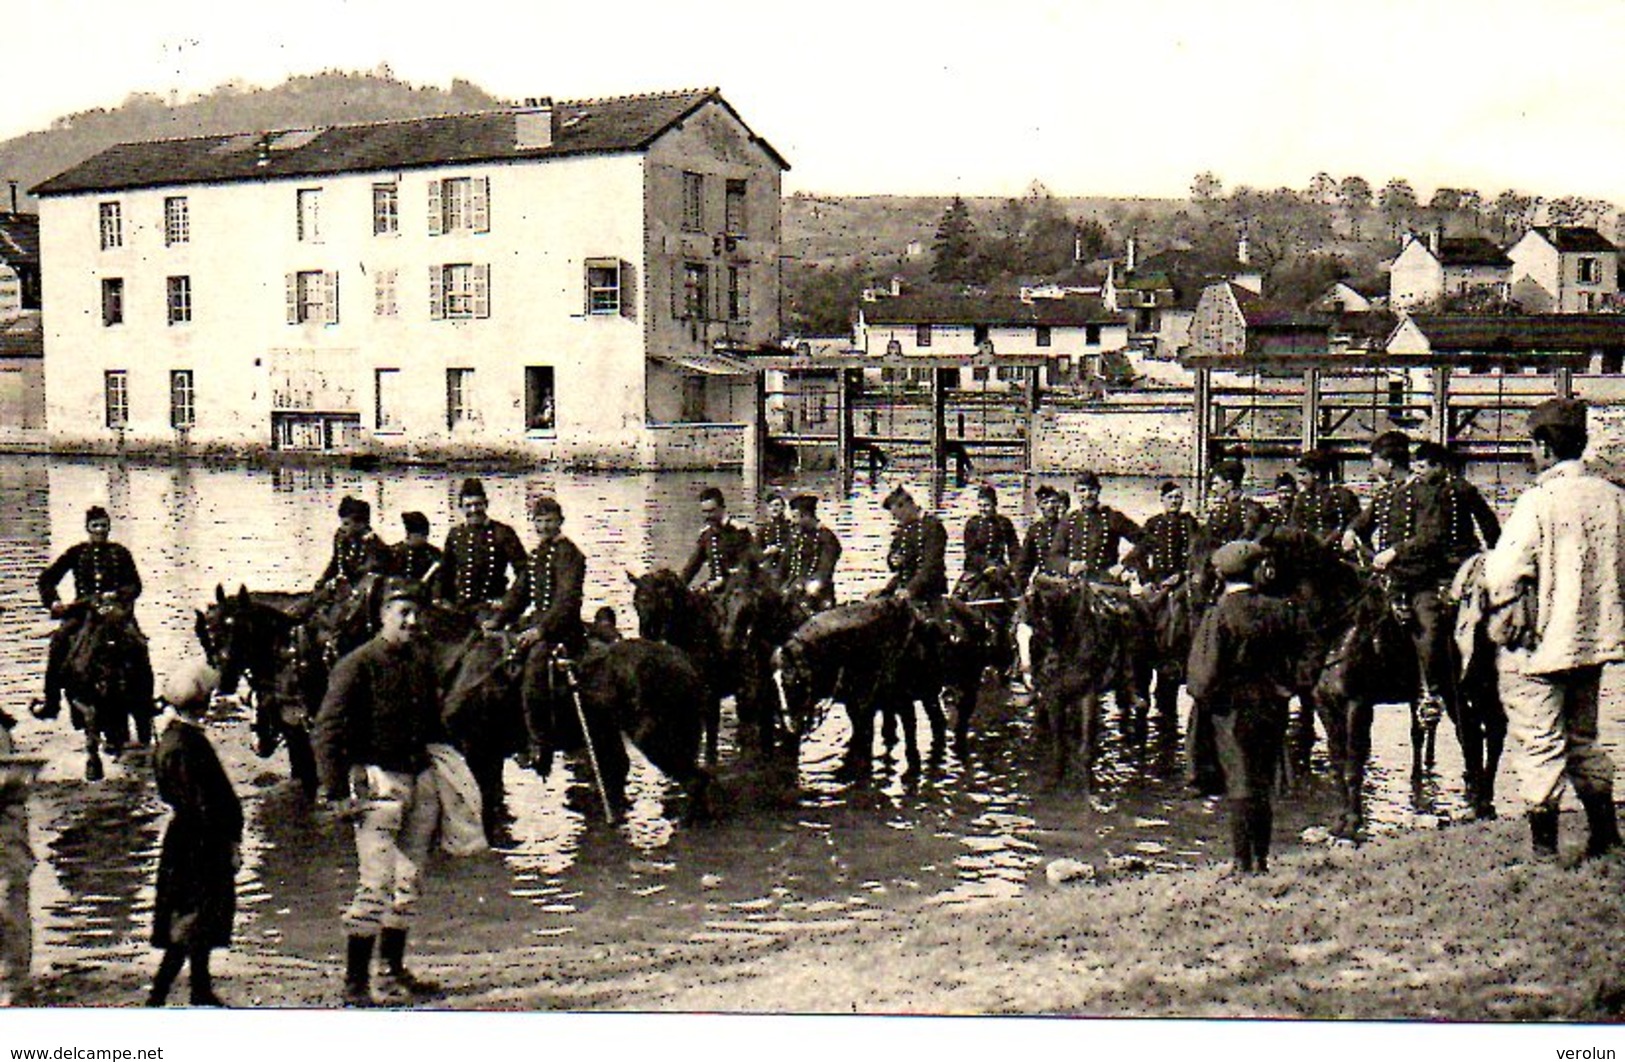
955, 245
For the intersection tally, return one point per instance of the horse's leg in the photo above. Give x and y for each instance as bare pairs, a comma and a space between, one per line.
911, 740
712, 725
1334, 711
1089, 720
859, 759
1359, 751
301, 758
93, 740
965, 703
888, 727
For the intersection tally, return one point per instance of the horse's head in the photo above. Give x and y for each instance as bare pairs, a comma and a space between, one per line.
657, 597
228, 635
751, 609
797, 696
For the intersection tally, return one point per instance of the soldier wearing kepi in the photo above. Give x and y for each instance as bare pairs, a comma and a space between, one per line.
479, 557
918, 554
721, 546
1321, 508
357, 552
1469, 519
371, 738
1089, 541
1231, 515
1163, 554
1240, 676
774, 534
104, 575
416, 557
545, 605
991, 545
810, 557
1033, 559
1556, 587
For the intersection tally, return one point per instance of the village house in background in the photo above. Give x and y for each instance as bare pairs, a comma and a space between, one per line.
1564, 269
1432, 267
22, 340
550, 282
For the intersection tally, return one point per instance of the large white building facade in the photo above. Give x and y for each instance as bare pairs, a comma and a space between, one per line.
548, 282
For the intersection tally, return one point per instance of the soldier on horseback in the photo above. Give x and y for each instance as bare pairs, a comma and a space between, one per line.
721, 546
357, 551
104, 578
773, 535
1231, 515
416, 557
1163, 554
1321, 508
810, 554
1033, 559
917, 556
1088, 542
545, 607
991, 544
1469, 519
480, 555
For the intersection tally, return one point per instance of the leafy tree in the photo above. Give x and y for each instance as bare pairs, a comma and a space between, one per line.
1565, 210
954, 249
1206, 187
1513, 212
1398, 204
819, 301
1091, 240
1354, 193
1323, 189
1299, 281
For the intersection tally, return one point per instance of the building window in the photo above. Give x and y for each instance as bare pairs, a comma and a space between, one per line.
1091, 335
734, 220
386, 209
696, 292
177, 221
112, 300
1041, 335
979, 374
693, 411
384, 300
309, 210
603, 286
386, 385
1590, 271
182, 411
1012, 373
979, 334
178, 292
313, 297
922, 335
541, 413
116, 388
459, 204
694, 202
738, 294
459, 291
459, 397
112, 225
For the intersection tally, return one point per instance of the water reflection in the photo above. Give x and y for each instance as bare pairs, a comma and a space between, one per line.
824, 857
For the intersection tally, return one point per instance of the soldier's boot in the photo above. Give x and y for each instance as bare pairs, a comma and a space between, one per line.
357, 960
1543, 834
1604, 823
1260, 823
392, 949
1241, 838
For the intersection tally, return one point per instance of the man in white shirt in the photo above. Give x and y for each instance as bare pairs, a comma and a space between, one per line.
1556, 583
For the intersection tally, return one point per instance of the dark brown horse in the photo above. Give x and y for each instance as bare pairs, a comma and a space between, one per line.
757, 618
107, 677
669, 611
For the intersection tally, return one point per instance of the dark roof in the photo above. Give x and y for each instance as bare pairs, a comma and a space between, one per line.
22, 337
1549, 332
1376, 325
19, 239
585, 127
1471, 251
1071, 311
1575, 238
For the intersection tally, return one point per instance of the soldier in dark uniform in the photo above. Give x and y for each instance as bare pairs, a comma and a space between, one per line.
918, 554
357, 551
545, 607
480, 555
1240, 674
1035, 547
991, 545
1163, 554
1088, 542
104, 575
416, 557
721, 547
1469, 518
810, 556
772, 536
1231, 514
1321, 508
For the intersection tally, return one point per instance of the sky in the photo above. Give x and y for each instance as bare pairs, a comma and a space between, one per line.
1128, 97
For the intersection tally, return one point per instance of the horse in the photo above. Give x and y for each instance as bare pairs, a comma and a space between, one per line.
757, 618
259, 636
481, 705
669, 611
1087, 639
1173, 618
107, 677
1481, 722
994, 594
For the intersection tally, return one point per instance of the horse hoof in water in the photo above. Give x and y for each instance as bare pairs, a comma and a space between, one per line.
93, 769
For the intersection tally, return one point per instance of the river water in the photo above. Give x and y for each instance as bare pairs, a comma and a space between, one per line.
824, 857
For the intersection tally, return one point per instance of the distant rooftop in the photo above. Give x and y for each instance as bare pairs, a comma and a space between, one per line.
1576, 238
1005, 310
19, 239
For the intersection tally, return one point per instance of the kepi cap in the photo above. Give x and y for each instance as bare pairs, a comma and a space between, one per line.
1234, 559
398, 589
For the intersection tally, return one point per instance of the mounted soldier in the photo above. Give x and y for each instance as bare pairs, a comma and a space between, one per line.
416, 557
1469, 519
918, 551
1163, 554
773, 535
1231, 515
1321, 508
104, 579
357, 551
1088, 542
480, 556
721, 546
810, 554
544, 606
991, 545
1034, 559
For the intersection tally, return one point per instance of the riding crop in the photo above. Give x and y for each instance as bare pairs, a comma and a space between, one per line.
568, 667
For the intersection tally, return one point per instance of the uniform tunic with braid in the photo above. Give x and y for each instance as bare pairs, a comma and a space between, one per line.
475, 563
810, 555
1093, 537
1235, 517
1035, 550
1164, 548
990, 542
413, 561
771, 539
355, 554
718, 550
549, 593
106, 568
1324, 512
918, 561
1472, 523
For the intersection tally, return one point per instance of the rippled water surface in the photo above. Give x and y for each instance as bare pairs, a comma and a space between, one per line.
824, 856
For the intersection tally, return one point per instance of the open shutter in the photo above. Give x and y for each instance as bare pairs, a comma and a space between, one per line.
437, 293
293, 298
586, 288
330, 297
482, 291
436, 219
743, 301
481, 207
677, 275
628, 291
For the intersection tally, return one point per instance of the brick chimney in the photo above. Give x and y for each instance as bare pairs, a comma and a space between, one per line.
1130, 257
533, 124
1434, 236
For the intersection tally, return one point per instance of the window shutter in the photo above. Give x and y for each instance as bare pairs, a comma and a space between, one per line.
482, 291
437, 293
330, 297
293, 298
436, 220
481, 207
628, 291
744, 294
677, 300
586, 288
